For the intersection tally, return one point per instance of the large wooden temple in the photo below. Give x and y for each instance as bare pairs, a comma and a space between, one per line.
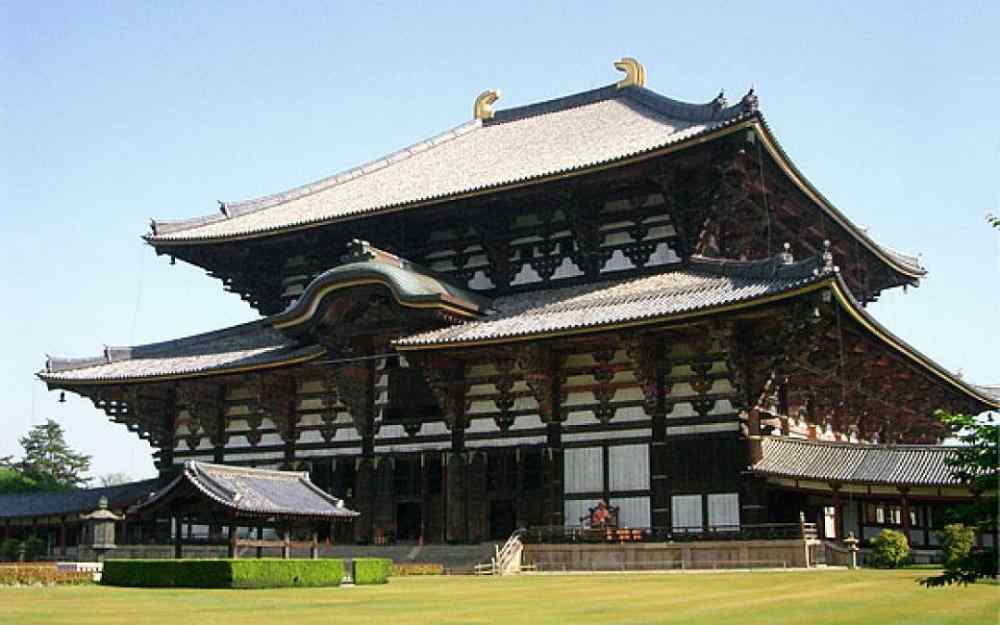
611, 295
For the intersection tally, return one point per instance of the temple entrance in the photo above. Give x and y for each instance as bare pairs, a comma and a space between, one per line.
502, 519
408, 520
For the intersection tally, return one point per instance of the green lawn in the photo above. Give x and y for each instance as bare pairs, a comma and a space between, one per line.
812, 597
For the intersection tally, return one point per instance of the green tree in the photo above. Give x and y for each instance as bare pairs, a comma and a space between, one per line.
49, 461
13, 481
975, 464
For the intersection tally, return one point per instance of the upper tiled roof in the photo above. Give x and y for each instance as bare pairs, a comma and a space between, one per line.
253, 344
253, 492
521, 144
74, 501
703, 284
902, 465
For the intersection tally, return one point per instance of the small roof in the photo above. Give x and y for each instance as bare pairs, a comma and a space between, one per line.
255, 492
412, 286
899, 465
254, 345
703, 284
79, 501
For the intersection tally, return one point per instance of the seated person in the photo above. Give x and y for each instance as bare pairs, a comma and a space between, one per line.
600, 515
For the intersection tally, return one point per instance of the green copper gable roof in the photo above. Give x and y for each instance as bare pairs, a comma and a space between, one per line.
411, 285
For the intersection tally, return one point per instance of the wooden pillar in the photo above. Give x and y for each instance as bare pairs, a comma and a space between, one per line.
925, 523
425, 498
552, 459
658, 457
178, 537
314, 548
457, 496
260, 536
233, 536
62, 537
905, 501
286, 549
364, 481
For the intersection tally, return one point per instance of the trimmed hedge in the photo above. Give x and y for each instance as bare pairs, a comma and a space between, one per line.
372, 570
265, 573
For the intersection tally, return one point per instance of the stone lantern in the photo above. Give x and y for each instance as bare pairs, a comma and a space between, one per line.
101, 523
852, 548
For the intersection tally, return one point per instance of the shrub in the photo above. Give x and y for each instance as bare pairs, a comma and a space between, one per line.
266, 573
10, 549
35, 549
416, 568
956, 544
372, 570
44, 575
890, 550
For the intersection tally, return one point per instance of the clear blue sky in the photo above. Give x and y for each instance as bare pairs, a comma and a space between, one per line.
113, 113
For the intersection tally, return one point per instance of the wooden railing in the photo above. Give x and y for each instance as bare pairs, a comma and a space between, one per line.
556, 534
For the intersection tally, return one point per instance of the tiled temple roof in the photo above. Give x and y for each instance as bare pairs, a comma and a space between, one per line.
70, 502
518, 145
523, 145
902, 465
703, 284
251, 345
256, 492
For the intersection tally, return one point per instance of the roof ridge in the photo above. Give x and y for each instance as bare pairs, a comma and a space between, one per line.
713, 110
861, 446
245, 470
782, 266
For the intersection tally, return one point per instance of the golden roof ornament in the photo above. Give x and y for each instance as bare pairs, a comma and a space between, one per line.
483, 109
635, 73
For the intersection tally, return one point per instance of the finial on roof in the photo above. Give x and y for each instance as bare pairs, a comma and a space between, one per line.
750, 102
827, 257
483, 108
786, 255
222, 208
358, 251
720, 102
635, 73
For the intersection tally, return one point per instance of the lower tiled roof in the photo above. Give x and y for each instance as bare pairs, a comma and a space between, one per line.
702, 284
901, 465
257, 492
254, 344
74, 501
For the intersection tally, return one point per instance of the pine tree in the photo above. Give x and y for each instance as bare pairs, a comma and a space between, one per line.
49, 461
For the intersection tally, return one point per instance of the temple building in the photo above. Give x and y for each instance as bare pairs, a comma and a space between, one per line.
611, 295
